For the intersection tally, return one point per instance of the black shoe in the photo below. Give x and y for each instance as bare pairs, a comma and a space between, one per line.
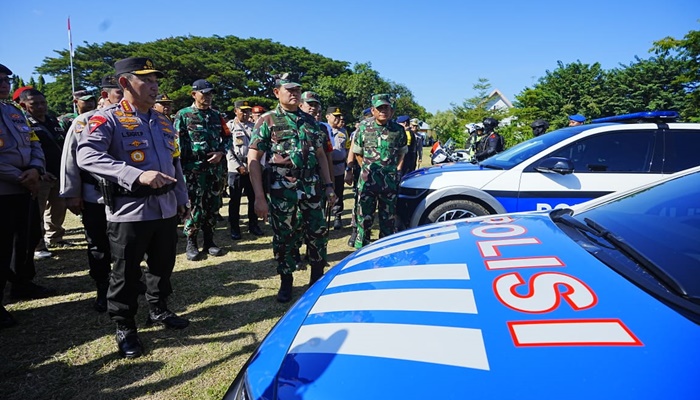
100, 304
128, 342
214, 250
166, 317
235, 235
192, 250
6, 319
338, 224
316, 272
255, 230
30, 290
351, 239
284, 295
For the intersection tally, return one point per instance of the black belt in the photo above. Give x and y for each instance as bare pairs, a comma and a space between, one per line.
144, 191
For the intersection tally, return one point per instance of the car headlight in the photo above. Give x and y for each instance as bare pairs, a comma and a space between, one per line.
239, 389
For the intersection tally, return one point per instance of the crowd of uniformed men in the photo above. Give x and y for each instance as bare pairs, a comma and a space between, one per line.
134, 172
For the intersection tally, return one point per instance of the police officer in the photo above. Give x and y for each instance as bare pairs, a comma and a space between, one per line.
164, 105
415, 127
204, 139
338, 138
491, 143
134, 149
539, 127
21, 166
379, 146
238, 177
409, 160
576, 120
81, 191
294, 146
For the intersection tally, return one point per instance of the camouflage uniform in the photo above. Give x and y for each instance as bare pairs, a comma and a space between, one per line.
381, 147
201, 132
290, 140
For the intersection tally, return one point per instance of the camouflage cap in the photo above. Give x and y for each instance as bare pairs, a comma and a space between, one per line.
415, 122
308, 97
163, 98
285, 80
381, 99
333, 110
83, 95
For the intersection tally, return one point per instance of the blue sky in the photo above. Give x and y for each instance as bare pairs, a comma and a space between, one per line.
438, 49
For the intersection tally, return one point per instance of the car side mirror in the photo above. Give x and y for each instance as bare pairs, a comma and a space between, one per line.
560, 165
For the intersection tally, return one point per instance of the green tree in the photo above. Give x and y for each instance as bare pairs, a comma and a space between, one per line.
645, 85
688, 51
446, 126
575, 88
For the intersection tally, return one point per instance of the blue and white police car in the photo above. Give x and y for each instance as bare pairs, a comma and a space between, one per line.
558, 169
597, 301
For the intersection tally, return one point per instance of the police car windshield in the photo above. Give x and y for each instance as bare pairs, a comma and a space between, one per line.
513, 156
663, 224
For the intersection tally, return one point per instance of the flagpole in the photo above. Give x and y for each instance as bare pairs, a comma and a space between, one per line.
70, 56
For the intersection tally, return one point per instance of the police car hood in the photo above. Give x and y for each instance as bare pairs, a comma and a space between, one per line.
493, 308
442, 175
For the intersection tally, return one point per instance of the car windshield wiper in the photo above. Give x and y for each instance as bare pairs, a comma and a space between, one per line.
563, 215
633, 254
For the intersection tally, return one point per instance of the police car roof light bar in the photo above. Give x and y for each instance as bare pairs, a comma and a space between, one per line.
644, 116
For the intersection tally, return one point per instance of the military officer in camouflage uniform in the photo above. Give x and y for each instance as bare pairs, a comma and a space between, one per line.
238, 178
379, 146
133, 151
294, 148
204, 139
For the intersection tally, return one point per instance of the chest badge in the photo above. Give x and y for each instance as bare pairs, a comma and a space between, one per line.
138, 156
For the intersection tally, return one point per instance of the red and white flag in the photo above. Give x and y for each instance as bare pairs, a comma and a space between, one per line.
70, 39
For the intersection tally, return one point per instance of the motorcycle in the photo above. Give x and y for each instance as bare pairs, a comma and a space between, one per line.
440, 154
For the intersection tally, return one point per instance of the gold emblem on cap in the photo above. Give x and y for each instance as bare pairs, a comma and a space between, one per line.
149, 64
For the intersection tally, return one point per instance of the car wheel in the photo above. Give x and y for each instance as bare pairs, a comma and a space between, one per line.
456, 209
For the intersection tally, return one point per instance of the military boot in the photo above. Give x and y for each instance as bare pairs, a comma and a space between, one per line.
351, 239
284, 295
316, 272
338, 224
192, 249
209, 244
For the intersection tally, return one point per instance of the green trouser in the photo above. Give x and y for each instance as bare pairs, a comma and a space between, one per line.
385, 204
204, 191
295, 218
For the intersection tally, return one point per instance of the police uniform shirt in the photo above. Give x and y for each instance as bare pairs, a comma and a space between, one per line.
72, 184
241, 140
338, 139
119, 144
19, 149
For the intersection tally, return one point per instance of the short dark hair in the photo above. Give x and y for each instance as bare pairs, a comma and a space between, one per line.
29, 93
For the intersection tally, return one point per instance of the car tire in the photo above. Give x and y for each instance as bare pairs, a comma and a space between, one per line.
456, 209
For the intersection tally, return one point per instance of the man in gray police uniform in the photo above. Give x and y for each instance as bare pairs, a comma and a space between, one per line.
134, 149
21, 166
80, 189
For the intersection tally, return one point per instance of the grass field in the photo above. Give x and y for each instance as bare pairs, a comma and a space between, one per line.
62, 349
